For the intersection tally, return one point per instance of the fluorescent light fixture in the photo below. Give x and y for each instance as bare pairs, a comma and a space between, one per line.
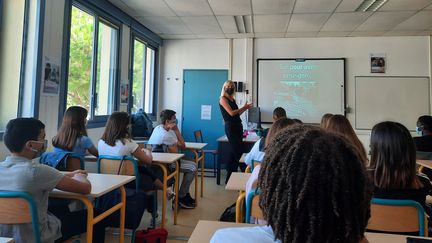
370, 5
243, 23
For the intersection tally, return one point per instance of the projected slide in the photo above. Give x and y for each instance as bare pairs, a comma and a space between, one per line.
305, 88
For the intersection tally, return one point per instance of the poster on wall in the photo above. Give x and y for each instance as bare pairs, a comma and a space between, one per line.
378, 63
124, 93
51, 78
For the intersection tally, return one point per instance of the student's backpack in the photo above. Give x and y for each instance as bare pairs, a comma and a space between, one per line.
229, 215
142, 126
158, 235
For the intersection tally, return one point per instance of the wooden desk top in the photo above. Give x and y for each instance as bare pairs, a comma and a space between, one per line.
191, 145
246, 140
425, 163
204, 230
166, 158
237, 181
243, 158
101, 184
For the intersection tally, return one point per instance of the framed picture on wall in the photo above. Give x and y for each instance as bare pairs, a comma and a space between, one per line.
378, 63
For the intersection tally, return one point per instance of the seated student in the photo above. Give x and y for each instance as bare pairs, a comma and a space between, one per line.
116, 141
71, 138
257, 151
424, 128
324, 120
24, 137
278, 126
313, 189
72, 134
340, 124
167, 133
393, 164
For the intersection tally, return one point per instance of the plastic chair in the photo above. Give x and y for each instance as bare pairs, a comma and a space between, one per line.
248, 169
124, 165
396, 216
19, 208
252, 205
214, 152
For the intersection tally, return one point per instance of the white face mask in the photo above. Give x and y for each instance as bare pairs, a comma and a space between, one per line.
41, 150
419, 131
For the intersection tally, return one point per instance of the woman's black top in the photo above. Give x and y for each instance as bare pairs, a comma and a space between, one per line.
226, 116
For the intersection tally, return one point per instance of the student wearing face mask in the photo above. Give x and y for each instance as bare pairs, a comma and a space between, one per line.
25, 139
233, 125
167, 138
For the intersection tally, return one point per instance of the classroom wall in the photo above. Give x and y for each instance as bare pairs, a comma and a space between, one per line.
406, 56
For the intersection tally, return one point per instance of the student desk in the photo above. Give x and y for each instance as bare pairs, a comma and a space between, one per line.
6, 240
197, 149
237, 182
243, 158
425, 163
163, 160
101, 184
224, 151
204, 230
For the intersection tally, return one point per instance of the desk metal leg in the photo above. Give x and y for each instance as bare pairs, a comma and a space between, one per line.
202, 172
218, 173
166, 177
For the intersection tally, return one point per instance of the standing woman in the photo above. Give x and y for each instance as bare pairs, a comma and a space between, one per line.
233, 125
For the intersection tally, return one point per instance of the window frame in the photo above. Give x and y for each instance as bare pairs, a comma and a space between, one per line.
99, 17
40, 13
136, 36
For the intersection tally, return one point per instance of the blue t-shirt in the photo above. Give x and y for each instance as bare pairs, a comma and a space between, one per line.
81, 146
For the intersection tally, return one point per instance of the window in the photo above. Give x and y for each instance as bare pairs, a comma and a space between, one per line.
93, 51
12, 15
143, 66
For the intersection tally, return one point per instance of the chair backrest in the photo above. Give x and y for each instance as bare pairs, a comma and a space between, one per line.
74, 162
393, 215
119, 165
19, 208
252, 205
198, 136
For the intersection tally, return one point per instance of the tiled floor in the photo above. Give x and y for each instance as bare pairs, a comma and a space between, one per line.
210, 207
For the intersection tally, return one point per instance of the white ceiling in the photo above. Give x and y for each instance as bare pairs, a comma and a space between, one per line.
189, 19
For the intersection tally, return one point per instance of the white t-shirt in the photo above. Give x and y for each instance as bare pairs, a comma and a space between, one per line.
254, 154
119, 149
257, 234
161, 136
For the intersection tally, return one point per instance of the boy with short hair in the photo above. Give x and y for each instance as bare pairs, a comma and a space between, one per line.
25, 139
167, 133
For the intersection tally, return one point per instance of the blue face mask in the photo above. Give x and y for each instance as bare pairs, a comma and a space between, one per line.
419, 131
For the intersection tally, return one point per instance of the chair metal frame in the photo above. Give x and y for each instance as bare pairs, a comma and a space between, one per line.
137, 182
32, 209
198, 134
408, 203
249, 199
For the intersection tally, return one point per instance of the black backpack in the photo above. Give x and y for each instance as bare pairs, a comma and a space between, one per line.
142, 126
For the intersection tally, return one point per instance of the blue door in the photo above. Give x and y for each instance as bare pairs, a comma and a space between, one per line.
202, 88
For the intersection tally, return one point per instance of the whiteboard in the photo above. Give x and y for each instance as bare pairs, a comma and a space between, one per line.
305, 88
399, 99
